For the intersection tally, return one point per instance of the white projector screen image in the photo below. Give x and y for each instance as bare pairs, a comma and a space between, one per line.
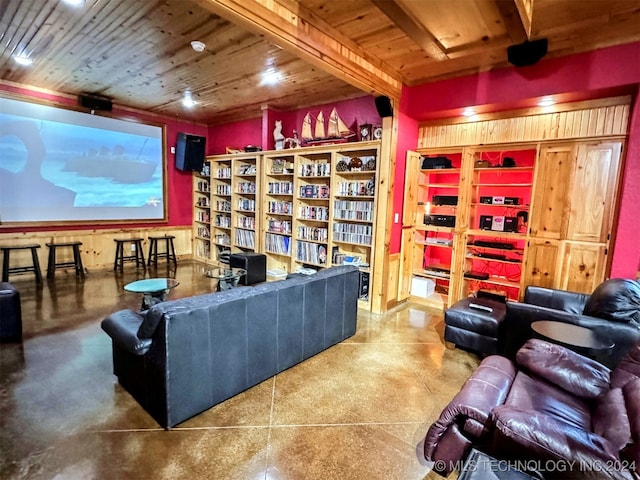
63, 165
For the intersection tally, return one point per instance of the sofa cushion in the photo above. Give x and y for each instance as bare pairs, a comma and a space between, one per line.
617, 299
610, 418
122, 326
568, 370
631, 392
628, 369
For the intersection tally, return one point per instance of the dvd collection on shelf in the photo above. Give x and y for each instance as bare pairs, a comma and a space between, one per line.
247, 169
204, 232
203, 186
246, 187
314, 170
223, 221
353, 210
222, 239
246, 222
279, 244
280, 188
245, 238
223, 173
306, 212
223, 189
313, 233
202, 202
314, 191
246, 205
311, 253
364, 188
279, 226
281, 208
203, 216
223, 206
346, 232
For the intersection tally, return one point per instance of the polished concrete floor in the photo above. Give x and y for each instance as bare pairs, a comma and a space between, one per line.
359, 410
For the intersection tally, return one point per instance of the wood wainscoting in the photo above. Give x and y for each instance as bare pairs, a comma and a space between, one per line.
98, 248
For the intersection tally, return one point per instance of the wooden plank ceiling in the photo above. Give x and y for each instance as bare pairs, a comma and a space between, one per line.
138, 53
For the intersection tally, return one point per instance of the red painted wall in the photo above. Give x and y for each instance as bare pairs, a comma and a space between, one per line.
595, 74
234, 135
179, 184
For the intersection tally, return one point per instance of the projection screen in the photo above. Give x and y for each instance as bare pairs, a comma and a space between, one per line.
60, 165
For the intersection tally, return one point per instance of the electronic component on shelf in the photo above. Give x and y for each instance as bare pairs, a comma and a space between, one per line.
440, 220
492, 244
476, 275
492, 256
429, 163
500, 200
498, 223
477, 306
439, 241
444, 200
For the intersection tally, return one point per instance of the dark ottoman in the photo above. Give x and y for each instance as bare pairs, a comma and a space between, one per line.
254, 263
10, 314
474, 329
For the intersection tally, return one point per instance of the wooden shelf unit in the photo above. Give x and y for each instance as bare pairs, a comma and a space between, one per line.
314, 206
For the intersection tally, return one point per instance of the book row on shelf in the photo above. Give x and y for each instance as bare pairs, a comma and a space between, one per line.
203, 216
202, 202
203, 186
223, 189
223, 205
221, 172
353, 210
203, 232
223, 239
247, 169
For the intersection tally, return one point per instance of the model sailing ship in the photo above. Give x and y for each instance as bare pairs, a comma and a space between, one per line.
337, 131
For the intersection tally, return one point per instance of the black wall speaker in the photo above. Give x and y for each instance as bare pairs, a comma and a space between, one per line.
383, 105
95, 103
190, 152
527, 53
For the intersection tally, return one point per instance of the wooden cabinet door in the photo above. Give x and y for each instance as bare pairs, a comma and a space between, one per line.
549, 206
412, 176
407, 253
593, 192
540, 265
583, 266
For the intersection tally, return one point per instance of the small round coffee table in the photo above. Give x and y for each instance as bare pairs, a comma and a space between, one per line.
579, 339
227, 277
153, 290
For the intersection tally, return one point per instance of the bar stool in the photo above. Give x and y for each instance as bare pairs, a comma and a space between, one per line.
137, 253
169, 251
76, 263
34, 267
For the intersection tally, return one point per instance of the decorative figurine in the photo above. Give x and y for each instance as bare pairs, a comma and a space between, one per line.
278, 137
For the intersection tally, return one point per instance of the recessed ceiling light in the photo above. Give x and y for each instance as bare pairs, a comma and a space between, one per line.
74, 3
188, 100
546, 102
23, 60
468, 112
270, 77
198, 46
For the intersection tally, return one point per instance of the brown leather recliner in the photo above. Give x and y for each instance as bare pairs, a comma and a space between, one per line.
551, 408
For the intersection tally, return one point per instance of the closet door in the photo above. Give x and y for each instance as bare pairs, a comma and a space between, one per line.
593, 193
549, 205
583, 266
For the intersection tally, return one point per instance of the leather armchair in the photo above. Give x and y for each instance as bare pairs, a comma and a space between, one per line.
551, 407
612, 311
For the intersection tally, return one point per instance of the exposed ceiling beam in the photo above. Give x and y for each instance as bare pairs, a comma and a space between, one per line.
289, 26
513, 23
413, 29
525, 10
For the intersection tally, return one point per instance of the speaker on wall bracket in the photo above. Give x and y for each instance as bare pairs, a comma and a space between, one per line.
95, 102
527, 53
384, 107
190, 152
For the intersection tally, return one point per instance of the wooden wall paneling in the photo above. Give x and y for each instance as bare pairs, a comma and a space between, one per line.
593, 193
393, 280
98, 248
553, 171
407, 253
582, 268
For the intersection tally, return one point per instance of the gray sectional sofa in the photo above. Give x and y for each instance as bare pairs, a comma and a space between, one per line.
184, 356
